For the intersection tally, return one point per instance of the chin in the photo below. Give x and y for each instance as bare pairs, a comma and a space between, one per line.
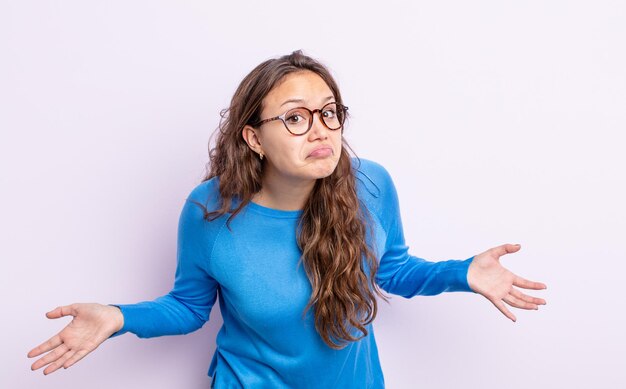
324, 168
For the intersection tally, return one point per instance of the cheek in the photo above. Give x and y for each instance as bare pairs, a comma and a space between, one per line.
338, 140
285, 153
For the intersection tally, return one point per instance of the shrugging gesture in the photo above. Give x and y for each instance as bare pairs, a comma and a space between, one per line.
91, 325
489, 278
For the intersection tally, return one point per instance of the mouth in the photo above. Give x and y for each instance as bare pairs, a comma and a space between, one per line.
321, 152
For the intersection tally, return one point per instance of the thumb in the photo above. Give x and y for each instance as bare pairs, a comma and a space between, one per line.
506, 249
511, 248
58, 312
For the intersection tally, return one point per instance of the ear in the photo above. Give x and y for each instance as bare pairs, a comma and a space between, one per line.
251, 136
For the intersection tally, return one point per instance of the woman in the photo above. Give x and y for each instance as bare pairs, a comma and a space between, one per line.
298, 238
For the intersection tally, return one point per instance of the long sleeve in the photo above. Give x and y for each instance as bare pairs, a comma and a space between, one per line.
188, 305
400, 272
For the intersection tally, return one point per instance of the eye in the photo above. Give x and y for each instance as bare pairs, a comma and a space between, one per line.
329, 113
294, 119
296, 116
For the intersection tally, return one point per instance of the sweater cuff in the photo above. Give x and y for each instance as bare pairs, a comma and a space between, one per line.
457, 271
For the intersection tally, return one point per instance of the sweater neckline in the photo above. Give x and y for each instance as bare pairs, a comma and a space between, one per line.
273, 212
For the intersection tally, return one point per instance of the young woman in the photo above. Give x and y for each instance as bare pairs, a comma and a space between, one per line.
296, 238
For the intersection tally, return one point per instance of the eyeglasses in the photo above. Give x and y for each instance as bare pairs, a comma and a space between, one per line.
299, 121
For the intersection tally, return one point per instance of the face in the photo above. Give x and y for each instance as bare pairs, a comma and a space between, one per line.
306, 157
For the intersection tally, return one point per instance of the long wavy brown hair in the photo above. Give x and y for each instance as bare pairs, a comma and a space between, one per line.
339, 264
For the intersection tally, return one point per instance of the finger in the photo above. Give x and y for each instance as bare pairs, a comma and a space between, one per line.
517, 303
80, 354
45, 346
526, 284
58, 363
68, 355
527, 298
61, 311
50, 357
506, 249
500, 305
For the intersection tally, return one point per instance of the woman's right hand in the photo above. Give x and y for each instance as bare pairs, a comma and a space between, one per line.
92, 324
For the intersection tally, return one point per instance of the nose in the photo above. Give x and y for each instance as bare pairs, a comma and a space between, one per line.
318, 128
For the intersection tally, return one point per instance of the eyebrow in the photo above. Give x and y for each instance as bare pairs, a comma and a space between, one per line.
302, 100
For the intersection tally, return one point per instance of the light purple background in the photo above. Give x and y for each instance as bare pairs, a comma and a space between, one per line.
500, 121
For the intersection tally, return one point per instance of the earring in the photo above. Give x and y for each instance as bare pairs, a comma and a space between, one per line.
261, 156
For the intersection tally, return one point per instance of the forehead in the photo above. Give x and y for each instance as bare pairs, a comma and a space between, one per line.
305, 85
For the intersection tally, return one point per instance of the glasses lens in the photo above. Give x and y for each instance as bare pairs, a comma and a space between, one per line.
297, 120
333, 116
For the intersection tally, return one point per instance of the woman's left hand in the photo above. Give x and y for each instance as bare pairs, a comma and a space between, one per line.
489, 278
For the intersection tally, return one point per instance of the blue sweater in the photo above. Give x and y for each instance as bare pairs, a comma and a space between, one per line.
265, 342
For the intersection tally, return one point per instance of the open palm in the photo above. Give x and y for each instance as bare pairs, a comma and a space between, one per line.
92, 324
489, 278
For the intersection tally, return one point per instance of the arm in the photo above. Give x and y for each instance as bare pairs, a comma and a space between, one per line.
188, 305
182, 310
400, 272
406, 275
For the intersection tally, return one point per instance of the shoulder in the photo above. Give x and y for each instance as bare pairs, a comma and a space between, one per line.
203, 199
375, 187
369, 167
206, 193
194, 223
372, 177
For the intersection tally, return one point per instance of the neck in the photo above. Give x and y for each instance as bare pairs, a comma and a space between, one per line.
283, 194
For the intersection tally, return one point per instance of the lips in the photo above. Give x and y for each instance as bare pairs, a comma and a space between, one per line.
321, 152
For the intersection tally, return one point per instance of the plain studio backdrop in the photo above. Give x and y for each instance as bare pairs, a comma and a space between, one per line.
500, 122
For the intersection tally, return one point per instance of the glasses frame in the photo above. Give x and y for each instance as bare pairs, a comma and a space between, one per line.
320, 110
